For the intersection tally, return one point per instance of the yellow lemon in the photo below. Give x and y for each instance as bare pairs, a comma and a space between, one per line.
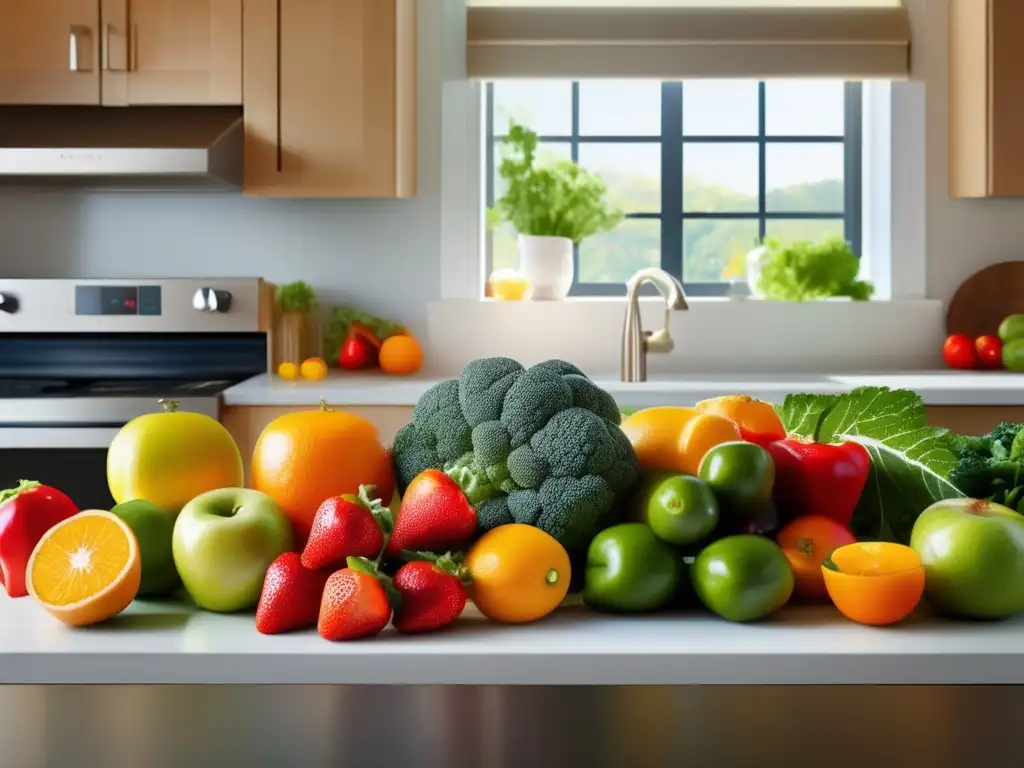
85, 569
313, 369
288, 371
171, 457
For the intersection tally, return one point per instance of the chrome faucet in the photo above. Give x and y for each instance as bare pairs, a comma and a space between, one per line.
636, 342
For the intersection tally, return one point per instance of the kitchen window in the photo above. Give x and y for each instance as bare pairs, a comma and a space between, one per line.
703, 169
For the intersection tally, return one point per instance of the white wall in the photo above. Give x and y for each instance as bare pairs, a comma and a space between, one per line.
963, 235
386, 255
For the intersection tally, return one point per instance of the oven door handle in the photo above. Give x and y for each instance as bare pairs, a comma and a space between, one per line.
64, 438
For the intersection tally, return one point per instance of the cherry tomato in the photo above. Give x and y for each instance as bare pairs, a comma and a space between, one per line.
806, 542
990, 351
959, 351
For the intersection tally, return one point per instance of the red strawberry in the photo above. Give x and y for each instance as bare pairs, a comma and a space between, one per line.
355, 603
291, 596
347, 526
433, 594
435, 516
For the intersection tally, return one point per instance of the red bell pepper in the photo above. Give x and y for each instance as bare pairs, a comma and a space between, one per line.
819, 478
360, 348
26, 513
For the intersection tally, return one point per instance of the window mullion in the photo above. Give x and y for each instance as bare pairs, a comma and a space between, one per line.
574, 153
672, 178
853, 168
762, 161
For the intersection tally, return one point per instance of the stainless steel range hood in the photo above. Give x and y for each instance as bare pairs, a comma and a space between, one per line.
122, 147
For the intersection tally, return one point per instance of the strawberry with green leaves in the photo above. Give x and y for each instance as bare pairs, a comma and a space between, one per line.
433, 591
347, 526
356, 602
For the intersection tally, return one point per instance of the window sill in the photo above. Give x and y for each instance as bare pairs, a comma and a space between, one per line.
715, 335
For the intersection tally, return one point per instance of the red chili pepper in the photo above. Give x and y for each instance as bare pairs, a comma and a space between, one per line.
360, 348
26, 513
819, 478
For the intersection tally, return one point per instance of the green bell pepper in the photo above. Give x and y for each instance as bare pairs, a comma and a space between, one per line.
629, 569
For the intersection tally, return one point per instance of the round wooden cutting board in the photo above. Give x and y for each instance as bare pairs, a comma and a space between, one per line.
985, 298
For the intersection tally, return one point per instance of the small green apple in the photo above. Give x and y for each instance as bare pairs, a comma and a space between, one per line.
153, 526
223, 543
973, 556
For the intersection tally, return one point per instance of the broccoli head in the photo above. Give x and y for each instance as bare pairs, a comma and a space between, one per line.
540, 446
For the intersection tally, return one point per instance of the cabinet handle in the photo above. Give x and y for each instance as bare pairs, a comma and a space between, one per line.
108, 30
80, 53
133, 49
277, 90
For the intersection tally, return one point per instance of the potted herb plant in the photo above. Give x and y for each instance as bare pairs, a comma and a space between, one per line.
296, 304
553, 207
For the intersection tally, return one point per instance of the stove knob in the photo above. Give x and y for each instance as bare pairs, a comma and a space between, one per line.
8, 303
211, 300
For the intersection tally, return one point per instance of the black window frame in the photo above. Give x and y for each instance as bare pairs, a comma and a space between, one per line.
671, 140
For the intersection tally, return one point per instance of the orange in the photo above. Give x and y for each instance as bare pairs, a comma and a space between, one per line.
313, 369
519, 573
169, 458
305, 457
807, 541
702, 433
86, 568
288, 371
655, 433
757, 419
877, 583
400, 355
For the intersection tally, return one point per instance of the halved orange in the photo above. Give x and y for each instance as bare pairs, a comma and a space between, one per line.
85, 569
874, 582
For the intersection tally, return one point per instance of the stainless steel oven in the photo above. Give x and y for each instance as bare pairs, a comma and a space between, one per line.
81, 358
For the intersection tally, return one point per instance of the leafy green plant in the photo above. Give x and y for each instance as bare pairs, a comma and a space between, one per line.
555, 199
296, 297
802, 271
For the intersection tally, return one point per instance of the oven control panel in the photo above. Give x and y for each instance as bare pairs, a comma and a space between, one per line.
142, 300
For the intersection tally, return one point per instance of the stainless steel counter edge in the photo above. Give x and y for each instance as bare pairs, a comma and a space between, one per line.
937, 388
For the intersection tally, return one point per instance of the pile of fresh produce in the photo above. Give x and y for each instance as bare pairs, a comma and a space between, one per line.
512, 485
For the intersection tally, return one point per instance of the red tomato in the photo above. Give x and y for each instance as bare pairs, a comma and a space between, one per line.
990, 351
806, 542
959, 351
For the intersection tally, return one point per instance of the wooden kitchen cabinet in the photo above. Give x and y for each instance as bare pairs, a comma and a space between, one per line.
330, 98
181, 52
49, 52
986, 98
121, 52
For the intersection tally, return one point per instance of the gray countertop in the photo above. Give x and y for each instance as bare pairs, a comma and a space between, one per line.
965, 388
172, 643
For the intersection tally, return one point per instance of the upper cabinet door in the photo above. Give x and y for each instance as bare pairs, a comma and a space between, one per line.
986, 109
172, 52
49, 52
330, 98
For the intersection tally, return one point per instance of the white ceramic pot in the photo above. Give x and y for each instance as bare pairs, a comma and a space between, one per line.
755, 260
547, 263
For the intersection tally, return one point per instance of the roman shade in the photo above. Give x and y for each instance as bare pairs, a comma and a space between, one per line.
669, 39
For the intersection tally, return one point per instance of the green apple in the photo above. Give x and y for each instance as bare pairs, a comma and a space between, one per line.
223, 543
973, 556
153, 526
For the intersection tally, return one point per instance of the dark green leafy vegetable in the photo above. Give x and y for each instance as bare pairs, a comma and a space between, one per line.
803, 271
991, 466
296, 297
554, 199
